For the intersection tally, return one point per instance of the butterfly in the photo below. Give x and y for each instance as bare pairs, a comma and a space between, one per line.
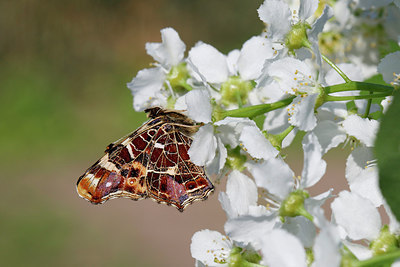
151, 162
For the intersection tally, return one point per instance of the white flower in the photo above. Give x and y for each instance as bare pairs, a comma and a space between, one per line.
279, 18
360, 221
231, 73
294, 77
275, 176
147, 86
389, 67
362, 129
211, 248
356, 25
215, 67
208, 147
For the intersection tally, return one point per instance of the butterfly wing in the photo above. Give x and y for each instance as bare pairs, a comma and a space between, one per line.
121, 172
172, 178
151, 162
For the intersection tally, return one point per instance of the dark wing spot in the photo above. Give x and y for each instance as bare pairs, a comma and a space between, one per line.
124, 172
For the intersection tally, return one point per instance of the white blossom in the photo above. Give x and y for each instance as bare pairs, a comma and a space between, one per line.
147, 86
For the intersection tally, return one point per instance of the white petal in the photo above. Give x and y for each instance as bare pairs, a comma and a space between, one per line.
145, 86
171, 51
360, 251
357, 162
209, 245
362, 176
241, 192
342, 13
218, 162
357, 215
199, 106
386, 103
288, 72
281, 249
203, 147
302, 112
210, 62
307, 8
180, 103
274, 175
266, 93
256, 144
329, 135
276, 14
302, 228
249, 230
314, 166
232, 60
314, 206
332, 111
326, 249
252, 57
230, 129
390, 64
352, 71
363, 129
319, 24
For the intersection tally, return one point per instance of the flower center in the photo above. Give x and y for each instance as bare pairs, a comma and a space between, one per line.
235, 91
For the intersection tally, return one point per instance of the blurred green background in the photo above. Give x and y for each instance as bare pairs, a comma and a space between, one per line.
64, 66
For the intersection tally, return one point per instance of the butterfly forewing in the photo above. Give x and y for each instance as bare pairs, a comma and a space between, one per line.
151, 162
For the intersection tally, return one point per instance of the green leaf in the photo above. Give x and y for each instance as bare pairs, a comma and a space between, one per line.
387, 148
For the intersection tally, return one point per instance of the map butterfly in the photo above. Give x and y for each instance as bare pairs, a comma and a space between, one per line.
152, 162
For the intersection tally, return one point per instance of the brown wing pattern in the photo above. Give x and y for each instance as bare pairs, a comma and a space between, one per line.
151, 162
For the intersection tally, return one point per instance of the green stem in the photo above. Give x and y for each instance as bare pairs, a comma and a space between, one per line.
336, 68
358, 86
354, 97
279, 137
368, 106
374, 261
253, 111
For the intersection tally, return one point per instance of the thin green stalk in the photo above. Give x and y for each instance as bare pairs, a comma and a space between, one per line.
336, 68
253, 111
355, 97
391, 256
279, 137
358, 86
368, 106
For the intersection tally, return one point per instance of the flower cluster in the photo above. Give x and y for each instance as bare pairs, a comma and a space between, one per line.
252, 102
